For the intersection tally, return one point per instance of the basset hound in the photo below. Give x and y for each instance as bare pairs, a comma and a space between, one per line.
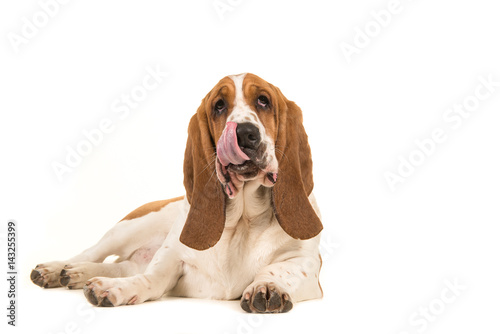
248, 226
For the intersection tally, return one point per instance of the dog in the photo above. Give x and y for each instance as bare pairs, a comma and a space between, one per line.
248, 226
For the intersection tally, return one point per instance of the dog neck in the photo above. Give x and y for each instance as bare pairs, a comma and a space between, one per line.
253, 201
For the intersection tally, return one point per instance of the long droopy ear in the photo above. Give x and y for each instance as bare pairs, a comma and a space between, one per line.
206, 217
295, 180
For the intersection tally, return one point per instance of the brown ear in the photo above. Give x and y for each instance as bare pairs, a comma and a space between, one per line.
206, 217
295, 181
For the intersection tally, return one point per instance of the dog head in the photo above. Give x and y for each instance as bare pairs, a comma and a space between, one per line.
246, 130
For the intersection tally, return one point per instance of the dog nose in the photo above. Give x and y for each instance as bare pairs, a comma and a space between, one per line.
248, 135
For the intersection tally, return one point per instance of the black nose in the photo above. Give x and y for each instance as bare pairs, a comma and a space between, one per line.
248, 135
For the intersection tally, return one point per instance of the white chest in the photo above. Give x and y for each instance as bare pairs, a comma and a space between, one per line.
250, 241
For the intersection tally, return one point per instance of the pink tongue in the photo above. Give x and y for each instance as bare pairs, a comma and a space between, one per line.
228, 150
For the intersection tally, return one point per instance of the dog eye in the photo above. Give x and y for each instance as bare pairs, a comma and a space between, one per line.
220, 107
262, 101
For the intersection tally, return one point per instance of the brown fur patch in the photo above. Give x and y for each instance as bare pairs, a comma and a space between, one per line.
205, 221
150, 207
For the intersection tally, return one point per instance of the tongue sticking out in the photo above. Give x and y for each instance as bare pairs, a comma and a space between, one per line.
228, 149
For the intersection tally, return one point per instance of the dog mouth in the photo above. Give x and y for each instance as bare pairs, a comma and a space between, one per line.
233, 175
246, 170
238, 164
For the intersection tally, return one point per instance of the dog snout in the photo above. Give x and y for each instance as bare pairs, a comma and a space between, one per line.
248, 136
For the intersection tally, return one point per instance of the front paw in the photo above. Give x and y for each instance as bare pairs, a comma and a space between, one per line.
75, 275
108, 292
265, 297
46, 275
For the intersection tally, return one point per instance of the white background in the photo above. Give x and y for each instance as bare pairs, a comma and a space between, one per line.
387, 254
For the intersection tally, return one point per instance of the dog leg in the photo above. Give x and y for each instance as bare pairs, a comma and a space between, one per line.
160, 276
277, 286
122, 240
74, 276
